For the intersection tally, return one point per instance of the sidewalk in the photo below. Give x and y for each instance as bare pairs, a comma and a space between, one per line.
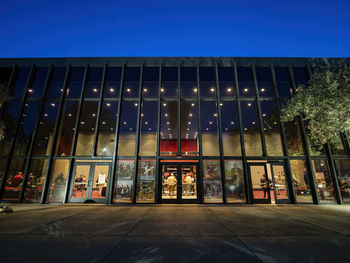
176, 233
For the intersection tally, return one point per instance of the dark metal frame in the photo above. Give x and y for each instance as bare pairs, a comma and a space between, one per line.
162, 62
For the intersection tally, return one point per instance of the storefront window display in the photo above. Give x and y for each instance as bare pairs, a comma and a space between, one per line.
343, 173
234, 181
323, 181
35, 181
301, 181
58, 181
124, 181
145, 190
212, 181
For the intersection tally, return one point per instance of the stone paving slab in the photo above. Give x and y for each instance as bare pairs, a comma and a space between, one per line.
181, 249
300, 249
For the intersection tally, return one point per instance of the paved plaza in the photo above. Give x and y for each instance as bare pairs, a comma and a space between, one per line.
175, 233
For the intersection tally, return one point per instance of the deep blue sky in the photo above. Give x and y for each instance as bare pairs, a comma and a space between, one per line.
50, 28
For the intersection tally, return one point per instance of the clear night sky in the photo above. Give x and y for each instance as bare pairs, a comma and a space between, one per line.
50, 28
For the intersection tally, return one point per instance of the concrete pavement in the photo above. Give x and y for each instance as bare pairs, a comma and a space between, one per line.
176, 233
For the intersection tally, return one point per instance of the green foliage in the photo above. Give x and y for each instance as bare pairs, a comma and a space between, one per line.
324, 105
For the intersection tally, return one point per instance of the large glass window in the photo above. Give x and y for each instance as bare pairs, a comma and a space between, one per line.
209, 126
212, 181
20, 84
127, 130
5, 75
235, 189
263, 76
58, 179
251, 129
36, 89
26, 128
315, 147
56, 84
15, 179
2, 168
112, 85
272, 129
189, 128
169, 87
93, 86
284, 87
35, 182
292, 130
131, 82
86, 130
43, 141
324, 182
207, 82
150, 86
145, 189
124, 181
8, 125
300, 77
339, 148
226, 82
343, 173
245, 82
168, 128
189, 87
67, 127
301, 181
230, 128
107, 126
148, 132
75, 82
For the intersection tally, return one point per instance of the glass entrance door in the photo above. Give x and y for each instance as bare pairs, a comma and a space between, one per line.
90, 182
268, 183
179, 183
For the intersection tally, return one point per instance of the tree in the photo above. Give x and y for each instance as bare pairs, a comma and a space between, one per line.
324, 105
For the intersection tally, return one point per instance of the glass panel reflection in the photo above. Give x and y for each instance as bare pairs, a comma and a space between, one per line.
279, 181
15, 179
80, 181
212, 181
99, 183
35, 182
93, 86
145, 190
58, 181
150, 86
56, 83
324, 182
272, 131
263, 76
148, 132
169, 87
107, 126
343, 173
168, 128
251, 129
261, 184
235, 189
131, 82
20, 84
230, 128
36, 88
301, 181
127, 130
226, 82
189, 87
112, 85
75, 82
245, 82
209, 126
189, 128
124, 181
284, 87
207, 82
169, 181
189, 181
66, 128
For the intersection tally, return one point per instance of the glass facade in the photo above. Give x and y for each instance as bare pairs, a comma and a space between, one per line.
157, 130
